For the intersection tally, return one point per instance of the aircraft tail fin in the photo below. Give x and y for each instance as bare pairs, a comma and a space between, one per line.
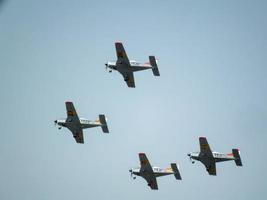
176, 171
237, 157
154, 65
103, 122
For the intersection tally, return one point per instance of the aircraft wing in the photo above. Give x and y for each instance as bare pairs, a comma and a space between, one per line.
150, 176
76, 129
78, 136
77, 133
204, 146
71, 112
211, 168
152, 182
121, 54
145, 165
129, 78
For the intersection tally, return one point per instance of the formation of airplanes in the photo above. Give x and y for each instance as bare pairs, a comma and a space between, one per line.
150, 173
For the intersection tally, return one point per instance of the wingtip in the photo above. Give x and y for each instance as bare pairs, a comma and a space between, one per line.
142, 154
202, 137
68, 102
118, 42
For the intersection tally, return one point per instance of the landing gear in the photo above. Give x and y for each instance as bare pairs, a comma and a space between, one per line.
110, 71
59, 128
193, 162
134, 177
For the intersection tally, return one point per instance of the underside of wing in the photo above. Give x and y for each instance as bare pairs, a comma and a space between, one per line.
78, 136
144, 162
77, 133
121, 54
152, 182
129, 78
211, 169
146, 167
71, 112
204, 146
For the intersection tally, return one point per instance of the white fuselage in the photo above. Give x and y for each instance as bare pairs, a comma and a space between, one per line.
122, 67
217, 157
84, 123
156, 170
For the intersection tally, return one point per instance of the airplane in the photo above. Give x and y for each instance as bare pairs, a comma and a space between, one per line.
76, 124
127, 67
209, 158
150, 173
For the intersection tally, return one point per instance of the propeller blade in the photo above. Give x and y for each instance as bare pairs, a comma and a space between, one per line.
106, 65
190, 158
131, 171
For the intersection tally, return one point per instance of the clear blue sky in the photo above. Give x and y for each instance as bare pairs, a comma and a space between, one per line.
212, 59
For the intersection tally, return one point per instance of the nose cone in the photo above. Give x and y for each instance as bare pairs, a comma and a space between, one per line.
106, 64
130, 170
189, 154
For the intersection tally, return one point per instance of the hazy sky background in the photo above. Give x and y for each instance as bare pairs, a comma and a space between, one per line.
212, 60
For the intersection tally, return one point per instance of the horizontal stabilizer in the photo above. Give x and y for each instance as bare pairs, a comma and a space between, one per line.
237, 157
154, 65
176, 171
103, 122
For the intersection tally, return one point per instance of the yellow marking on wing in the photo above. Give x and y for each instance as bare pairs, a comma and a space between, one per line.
71, 113
121, 54
204, 146
144, 162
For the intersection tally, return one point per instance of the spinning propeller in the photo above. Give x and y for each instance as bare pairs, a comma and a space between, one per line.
190, 158
131, 171
110, 70
55, 122
106, 65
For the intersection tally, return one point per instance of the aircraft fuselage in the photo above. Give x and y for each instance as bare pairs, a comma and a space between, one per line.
84, 123
217, 157
123, 67
156, 170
